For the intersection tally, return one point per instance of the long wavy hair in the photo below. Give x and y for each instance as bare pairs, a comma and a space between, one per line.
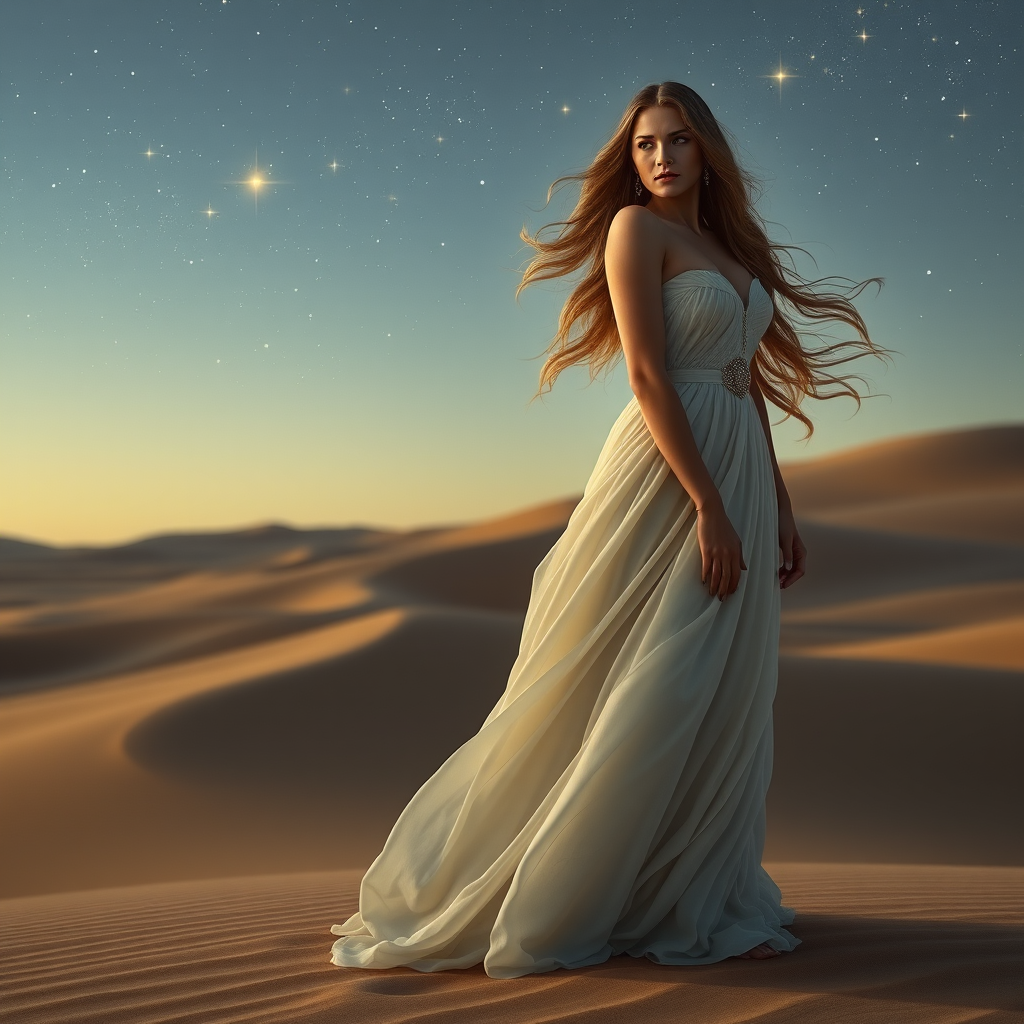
785, 371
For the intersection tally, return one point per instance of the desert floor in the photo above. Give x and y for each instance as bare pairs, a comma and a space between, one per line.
205, 737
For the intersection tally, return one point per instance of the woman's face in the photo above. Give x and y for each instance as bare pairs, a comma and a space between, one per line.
665, 154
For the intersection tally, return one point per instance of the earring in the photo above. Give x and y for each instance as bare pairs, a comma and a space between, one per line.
638, 188
707, 177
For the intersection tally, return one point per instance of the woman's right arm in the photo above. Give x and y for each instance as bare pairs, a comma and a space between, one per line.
634, 256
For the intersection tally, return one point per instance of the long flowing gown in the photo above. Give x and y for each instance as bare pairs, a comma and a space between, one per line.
613, 800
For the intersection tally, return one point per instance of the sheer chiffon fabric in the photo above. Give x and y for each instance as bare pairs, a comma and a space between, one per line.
613, 800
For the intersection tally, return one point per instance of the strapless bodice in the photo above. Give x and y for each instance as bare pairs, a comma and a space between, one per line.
704, 321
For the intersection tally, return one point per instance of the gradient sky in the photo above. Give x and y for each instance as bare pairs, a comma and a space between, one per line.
178, 353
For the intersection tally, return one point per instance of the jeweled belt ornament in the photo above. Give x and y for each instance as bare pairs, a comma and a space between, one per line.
736, 376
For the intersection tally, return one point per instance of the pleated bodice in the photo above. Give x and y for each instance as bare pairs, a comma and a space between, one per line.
705, 325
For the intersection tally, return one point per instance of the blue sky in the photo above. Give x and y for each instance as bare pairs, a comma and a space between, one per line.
178, 353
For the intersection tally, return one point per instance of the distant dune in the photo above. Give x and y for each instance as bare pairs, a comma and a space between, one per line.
965, 484
256, 706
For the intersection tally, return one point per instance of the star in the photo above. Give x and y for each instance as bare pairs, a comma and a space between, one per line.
780, 76
210, 212
149, 152
963, 115
440, 139
863, 36
565, 109
334, 166
257, 179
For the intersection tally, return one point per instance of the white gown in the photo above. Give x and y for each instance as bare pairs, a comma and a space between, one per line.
613, 800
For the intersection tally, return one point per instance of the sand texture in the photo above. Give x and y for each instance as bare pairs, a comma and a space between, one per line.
881, 943
205, 737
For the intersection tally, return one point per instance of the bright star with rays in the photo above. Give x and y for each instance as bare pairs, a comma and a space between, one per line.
334, 165
149, 152
257, 180
210, 212
780, 76
963, 115
863, 36
565, 109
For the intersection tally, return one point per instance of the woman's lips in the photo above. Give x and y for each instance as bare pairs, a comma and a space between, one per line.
666, 177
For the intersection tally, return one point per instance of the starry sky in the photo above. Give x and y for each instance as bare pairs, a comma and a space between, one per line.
338, 343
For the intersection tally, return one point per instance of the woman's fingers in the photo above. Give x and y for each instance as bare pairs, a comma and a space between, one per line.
723, 578
736, 566
716, 576
787, 552
788, 575
721, 553
799, 561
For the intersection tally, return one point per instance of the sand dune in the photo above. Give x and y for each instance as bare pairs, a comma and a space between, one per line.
939, 464
896, 762
964, 484
986, 644
256, 705
906, 612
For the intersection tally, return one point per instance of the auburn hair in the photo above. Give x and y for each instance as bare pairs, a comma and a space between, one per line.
785, 371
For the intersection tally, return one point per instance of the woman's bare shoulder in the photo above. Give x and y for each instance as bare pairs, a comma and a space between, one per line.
635, 225
636, 218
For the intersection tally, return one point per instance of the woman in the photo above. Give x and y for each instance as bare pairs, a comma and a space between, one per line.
613, 800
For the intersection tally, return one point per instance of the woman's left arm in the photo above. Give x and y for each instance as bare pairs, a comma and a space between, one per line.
794, 554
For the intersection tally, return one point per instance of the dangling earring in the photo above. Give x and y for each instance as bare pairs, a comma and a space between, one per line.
638, 188
707, 177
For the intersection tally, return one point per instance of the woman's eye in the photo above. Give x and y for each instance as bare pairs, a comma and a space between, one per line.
681, 138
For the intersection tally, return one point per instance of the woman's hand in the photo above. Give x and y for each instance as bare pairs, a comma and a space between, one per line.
793, 551
721, 550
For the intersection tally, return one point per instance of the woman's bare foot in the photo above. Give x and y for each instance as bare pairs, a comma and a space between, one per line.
762, 951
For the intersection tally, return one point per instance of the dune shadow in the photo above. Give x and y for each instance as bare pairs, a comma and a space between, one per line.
897, 763
367, 727
495, 576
